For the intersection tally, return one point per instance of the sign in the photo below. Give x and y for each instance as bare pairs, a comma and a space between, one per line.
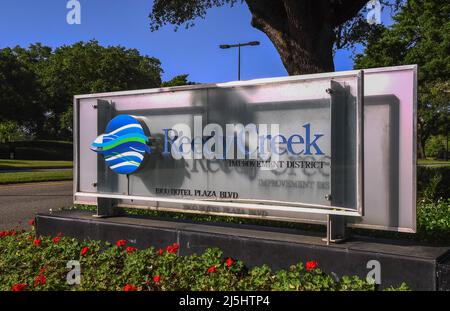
284, 149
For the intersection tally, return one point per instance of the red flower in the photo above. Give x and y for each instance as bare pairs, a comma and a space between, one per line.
212, 269
229, 262
311, 265
36, 242
19, 287
56, 239
8, 233
84, 250
31, 222
173, 248
121, 243
129, 288
160, 251
41, 279
5, 233
156, 278
130, 249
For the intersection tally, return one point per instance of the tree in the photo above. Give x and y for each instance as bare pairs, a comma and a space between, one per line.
420, 35
19, 91
84, 68
303, 31
37, 84
34, 59
178, 81
10, 131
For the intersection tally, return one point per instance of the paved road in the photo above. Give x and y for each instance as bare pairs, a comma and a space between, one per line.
20, 202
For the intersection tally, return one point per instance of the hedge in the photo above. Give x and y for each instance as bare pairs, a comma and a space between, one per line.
36, 264
38, 150
433, 182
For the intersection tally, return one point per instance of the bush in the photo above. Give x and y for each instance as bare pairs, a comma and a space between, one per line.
433, 221
433, 183
435, 146
28, 263
38, 150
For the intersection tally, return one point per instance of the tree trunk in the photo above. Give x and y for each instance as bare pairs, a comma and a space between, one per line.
424, 131
421, 150
302, 31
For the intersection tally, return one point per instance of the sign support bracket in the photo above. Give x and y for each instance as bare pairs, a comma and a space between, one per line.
106, 181
336, 229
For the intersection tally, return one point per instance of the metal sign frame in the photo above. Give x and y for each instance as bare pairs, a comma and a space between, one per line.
247, 205
364, 217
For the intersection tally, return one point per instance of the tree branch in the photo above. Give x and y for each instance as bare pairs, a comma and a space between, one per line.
343, 10
268, 13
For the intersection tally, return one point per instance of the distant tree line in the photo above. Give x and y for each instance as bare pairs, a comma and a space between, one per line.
37, 84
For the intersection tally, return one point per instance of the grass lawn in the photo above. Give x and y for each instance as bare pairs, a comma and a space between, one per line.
23, 177
433, 162
30, 164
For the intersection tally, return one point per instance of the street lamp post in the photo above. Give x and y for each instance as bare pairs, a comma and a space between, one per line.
238, 45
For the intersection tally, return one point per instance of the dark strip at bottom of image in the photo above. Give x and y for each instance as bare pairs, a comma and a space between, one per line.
219, 300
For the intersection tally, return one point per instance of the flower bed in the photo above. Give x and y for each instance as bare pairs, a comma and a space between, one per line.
29, 263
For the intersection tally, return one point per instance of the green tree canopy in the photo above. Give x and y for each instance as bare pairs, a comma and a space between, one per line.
420, 35
10, 131
39, 83
19, 90
84, 68
303, 31
178, 81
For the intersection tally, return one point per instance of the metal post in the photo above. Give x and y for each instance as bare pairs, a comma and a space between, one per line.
336, 229
106, 180
328, 237
128, 184
336, 226
239, 62
238, 45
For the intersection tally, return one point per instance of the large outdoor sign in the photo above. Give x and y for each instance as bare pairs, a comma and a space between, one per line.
295, 149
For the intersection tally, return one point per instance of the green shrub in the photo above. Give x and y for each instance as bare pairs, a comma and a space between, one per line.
433, 220
27, 263
433, 183
436, 145
38, 150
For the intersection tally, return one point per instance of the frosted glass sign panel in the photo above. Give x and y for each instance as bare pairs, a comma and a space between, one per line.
249, 150
270, 148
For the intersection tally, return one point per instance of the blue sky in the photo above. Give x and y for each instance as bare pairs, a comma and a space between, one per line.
112, 22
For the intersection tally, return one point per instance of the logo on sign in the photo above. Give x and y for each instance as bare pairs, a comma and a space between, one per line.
123, 145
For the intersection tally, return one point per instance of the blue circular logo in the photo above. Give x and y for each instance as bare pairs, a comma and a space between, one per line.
123, 145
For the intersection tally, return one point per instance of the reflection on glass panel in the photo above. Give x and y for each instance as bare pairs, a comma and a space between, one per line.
282, 143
